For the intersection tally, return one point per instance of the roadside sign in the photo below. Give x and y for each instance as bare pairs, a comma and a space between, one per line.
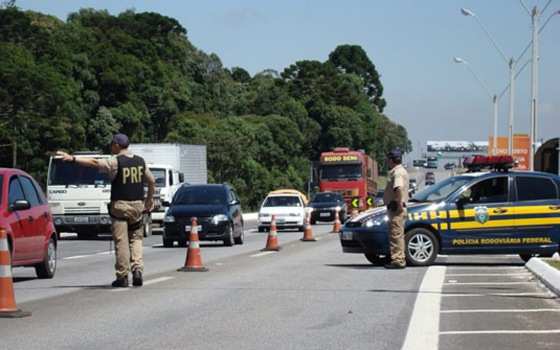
369, 201
355, 202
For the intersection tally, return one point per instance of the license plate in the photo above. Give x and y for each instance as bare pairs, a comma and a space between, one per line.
281, 221
347, 236
188, 228
81, 219
325, 215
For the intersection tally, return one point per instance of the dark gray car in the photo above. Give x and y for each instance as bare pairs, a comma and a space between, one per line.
217, 209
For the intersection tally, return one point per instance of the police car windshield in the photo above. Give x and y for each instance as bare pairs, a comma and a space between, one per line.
71, 174
282, 201
441, 190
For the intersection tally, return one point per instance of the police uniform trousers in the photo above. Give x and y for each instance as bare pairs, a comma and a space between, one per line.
396, 237
128, 236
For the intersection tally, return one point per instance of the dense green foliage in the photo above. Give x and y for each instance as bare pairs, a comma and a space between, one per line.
70, 85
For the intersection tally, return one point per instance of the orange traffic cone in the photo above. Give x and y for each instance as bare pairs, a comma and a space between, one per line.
193, 262
8, 308
307, 231
336, 225
272, 240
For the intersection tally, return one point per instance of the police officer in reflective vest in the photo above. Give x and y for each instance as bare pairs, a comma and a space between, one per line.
129, 175
395, 198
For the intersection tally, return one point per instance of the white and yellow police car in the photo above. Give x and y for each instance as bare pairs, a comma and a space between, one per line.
478, 212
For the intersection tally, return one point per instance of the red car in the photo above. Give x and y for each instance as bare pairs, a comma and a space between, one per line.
26, 217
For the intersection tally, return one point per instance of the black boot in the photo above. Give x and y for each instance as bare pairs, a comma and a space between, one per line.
137, 278
120, 282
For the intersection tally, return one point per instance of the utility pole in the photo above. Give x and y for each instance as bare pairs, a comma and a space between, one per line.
534, 86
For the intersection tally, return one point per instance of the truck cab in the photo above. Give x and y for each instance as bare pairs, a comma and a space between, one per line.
79, 196
168, 181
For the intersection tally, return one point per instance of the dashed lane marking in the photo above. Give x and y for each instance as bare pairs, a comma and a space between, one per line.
146, 283
424, 323
497, 311
263, 254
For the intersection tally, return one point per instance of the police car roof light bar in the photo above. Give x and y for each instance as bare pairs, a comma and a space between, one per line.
496, 163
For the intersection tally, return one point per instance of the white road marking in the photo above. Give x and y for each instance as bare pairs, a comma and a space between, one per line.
157, 280
459, 268
263, 254
146, 283
104, 253
497, 311
489, 274
544, 331
76, 257
424, 323
497, 294
452, 281
484, 283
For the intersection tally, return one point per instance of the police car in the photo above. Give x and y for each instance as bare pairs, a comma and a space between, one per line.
478, 212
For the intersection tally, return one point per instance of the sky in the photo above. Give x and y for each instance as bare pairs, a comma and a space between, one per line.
411, 42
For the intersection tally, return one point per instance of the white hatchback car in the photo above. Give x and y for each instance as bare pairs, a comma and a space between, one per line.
289, 210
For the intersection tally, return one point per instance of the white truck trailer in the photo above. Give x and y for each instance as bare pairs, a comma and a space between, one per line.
172, 164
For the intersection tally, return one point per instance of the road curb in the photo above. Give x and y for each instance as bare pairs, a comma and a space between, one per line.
546, 273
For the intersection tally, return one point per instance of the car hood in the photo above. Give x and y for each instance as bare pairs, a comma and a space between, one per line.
323, 205
196, 210
382, 211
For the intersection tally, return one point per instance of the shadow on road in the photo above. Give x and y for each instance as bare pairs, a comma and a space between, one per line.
100, 286
356, 266
23, 279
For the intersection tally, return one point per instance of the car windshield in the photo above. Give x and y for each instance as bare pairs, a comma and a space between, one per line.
203, 195
441, 190
282, 201
341, 171
326, 197
71, 174
159, 175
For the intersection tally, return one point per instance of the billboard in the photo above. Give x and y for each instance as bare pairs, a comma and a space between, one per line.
457, 146
521, 148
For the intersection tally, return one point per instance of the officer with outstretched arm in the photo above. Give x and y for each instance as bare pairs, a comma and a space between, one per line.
129, 175
395, 198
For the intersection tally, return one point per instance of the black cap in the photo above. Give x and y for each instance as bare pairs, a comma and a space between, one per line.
395, 154
121, 140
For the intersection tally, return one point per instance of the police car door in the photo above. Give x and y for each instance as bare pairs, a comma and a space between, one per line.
537, 212
482, 218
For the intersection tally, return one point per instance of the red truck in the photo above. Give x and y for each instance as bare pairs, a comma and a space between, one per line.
351, 173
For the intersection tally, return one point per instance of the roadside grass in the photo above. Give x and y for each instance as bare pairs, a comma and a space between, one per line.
554, 263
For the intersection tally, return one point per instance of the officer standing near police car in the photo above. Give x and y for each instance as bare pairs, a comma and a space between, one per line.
129, 175
395, 198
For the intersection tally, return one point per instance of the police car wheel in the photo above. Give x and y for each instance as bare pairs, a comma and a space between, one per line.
422, 247
168, 243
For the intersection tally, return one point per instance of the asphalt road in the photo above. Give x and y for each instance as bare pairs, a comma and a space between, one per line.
307, 296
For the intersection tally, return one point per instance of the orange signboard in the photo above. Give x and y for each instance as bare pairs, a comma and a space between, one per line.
521, 149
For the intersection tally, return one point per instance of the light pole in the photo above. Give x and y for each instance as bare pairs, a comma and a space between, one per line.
535, 31
494, 98
511, 66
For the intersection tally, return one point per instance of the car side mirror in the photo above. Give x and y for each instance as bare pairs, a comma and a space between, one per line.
165, 204
21, 204
181, 177
234, 202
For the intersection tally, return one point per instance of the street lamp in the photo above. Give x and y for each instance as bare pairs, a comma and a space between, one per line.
511, 66
494, 98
